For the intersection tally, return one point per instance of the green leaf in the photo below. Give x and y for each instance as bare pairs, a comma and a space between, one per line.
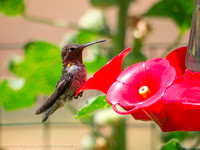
12, 7
14, 99
96, 104
173, 145
41, 67
38, 72
180, 135
178, 10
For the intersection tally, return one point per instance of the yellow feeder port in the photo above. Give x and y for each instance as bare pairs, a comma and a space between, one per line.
145, 92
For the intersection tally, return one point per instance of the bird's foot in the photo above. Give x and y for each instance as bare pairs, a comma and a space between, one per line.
79, 95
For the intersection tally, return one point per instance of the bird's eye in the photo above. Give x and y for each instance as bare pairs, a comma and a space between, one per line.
72, 49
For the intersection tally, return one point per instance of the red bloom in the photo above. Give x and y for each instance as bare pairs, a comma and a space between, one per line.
173, 91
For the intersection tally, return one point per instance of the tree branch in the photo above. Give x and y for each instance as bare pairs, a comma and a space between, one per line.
61, 24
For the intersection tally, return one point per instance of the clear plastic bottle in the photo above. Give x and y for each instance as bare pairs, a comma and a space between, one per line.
193, 52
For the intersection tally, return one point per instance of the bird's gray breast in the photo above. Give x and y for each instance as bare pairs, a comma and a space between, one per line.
79, 78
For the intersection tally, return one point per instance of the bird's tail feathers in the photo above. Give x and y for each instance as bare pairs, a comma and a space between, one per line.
51, 100
47, 113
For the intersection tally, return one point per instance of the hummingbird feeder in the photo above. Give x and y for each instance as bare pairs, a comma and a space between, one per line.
163, 90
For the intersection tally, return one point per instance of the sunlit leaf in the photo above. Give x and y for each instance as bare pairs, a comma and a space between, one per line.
96, 104
41, 67
12, 7
14, 99
38, 72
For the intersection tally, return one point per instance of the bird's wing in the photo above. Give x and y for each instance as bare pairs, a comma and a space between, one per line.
61, 88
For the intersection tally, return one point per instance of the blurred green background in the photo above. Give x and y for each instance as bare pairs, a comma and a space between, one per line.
32, 34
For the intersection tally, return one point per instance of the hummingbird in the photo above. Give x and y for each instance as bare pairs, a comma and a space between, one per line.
72, 78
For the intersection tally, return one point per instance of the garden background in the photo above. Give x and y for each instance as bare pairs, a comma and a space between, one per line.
31, 36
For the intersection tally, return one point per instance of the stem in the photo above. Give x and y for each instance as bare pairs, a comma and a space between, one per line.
61, 24
135, 55
137, 45
121, 26
120, 135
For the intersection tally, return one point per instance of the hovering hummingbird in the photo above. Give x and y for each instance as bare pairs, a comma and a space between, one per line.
72, 78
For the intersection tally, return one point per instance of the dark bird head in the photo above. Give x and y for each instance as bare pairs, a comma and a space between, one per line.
72, 53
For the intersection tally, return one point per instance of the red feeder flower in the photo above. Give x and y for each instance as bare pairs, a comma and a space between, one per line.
125, 90
160, 89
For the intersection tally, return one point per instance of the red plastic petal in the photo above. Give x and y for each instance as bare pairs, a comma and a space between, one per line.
105, 77
177, 60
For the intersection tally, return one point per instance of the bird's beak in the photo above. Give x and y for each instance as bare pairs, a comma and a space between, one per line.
88, 44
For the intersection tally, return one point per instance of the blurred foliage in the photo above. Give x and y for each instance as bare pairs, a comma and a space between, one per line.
41, 67
15, 99
103, 3
12, 7
173, 145
181, 136
180, 11
136, 55
95, 21
36, 75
